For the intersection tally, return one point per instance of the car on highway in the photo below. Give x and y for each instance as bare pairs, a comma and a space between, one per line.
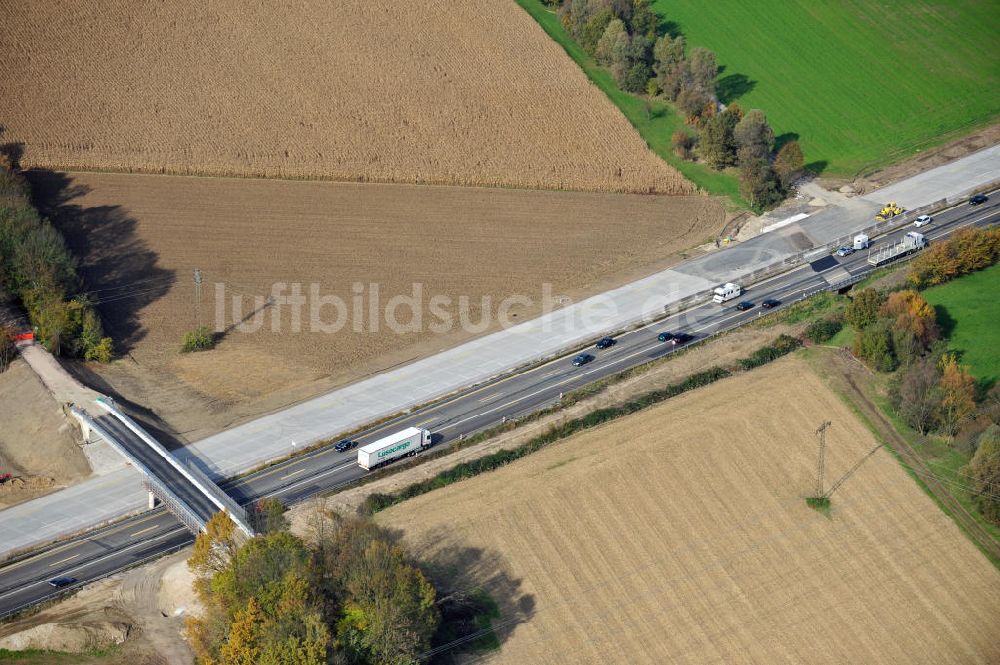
769, 303
845, 251
605, 342
922, 220
62, 581
682, 338
978, 199
345, 444
744, 305
582, 359
665, 336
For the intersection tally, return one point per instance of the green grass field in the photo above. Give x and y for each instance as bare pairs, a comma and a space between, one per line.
655, 128
969, 313
862, 82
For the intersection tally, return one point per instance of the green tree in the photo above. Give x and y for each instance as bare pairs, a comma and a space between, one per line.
592, 31
704, 69
789, 163
604, 52
716, 143
758, 184
984, 470
863, 309
269, 515
916, 395
643, 20
668, 56
754, 138
391, 613
874, 346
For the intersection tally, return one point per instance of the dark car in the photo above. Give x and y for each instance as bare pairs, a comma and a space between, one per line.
605, 342
769, 303
744, 305
345, 444
582, 359
978, 199
665, 336
682, 338
60, 582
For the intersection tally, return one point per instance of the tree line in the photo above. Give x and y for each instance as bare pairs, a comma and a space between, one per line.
622, 36
350, 596
37, 268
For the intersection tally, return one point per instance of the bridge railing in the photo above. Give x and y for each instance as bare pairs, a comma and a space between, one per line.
174, 503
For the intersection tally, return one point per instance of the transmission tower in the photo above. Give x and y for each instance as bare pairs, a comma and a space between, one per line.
821, 433
197, 295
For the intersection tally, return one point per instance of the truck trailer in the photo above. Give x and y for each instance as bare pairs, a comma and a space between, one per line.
910, 243
727, 291
406, 443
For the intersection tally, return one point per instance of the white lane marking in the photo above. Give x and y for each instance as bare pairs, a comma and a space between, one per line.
69, 558
146, 530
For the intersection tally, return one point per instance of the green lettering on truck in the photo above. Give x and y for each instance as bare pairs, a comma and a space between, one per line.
389, 451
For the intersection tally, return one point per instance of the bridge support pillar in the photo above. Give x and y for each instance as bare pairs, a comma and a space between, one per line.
152, 501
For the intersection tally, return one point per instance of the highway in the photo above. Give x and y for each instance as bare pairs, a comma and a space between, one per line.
104, 551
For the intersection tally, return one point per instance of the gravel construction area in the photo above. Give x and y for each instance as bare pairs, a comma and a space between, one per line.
140, 237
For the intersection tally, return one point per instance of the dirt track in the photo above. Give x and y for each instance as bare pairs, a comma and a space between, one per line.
140, 237
681, 535
440, 91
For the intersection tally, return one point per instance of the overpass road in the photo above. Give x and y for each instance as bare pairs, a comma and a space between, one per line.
104, 551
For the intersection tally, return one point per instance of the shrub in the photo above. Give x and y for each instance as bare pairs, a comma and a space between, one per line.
199, 339
682, 143
823, 330
783, 345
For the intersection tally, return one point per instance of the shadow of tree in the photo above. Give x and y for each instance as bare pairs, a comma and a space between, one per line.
782, 139
119, 270
481, 605
732, 87
817, 167
946, 322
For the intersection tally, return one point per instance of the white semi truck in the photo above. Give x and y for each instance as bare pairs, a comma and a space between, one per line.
408, 442
910, 243
727, 291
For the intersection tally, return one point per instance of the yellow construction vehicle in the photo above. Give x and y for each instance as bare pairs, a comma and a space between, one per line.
889, 211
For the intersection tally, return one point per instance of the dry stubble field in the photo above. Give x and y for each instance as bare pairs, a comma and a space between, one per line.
467, 92
680, 535
139, 237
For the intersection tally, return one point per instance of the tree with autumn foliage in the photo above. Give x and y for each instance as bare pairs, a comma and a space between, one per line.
910, 312
966, 251
958, 394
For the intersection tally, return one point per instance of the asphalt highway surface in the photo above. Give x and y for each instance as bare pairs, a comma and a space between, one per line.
104, 551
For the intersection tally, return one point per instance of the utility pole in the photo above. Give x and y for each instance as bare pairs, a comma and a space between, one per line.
197, 295
821, 433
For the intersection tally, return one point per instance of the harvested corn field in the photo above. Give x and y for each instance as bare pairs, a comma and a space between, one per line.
140, 237
681, 535
469, 92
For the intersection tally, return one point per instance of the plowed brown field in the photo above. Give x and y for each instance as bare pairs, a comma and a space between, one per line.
139, 238
438, 91
680, 535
